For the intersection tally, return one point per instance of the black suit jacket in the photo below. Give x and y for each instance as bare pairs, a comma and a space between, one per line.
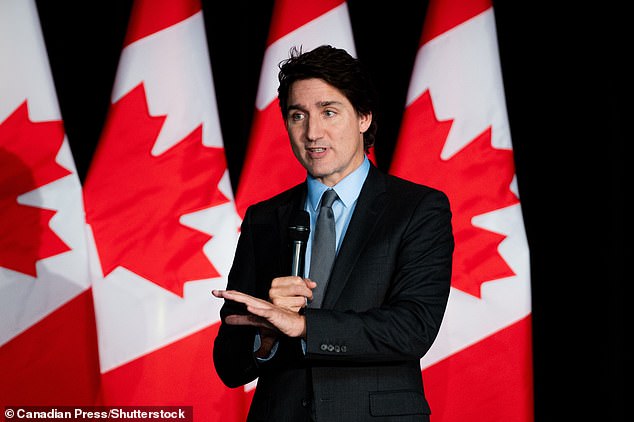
381, 313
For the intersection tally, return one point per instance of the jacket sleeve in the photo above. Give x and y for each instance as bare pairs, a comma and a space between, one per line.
233, 355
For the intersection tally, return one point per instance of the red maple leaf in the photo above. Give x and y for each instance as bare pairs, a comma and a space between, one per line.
476, 179
27, 159
134, 200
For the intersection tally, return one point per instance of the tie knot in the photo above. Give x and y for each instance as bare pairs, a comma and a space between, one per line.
328, 198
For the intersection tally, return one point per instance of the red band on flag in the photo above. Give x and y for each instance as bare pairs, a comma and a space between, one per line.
150, 16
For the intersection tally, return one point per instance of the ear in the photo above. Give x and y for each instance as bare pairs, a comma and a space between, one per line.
364, 122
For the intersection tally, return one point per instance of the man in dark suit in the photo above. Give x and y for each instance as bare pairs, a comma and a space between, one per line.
351, 351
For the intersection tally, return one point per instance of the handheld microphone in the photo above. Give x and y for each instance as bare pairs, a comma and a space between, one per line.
298, 231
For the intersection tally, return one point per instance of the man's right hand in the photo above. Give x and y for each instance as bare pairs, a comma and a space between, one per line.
291, 292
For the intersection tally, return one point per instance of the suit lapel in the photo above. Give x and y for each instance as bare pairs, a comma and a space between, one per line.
370, 205
296, 201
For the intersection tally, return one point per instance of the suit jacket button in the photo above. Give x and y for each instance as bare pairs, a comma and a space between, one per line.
324, 347
337, 349
344, 349
305, 402
331, 347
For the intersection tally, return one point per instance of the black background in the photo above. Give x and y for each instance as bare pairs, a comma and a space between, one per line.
564, 76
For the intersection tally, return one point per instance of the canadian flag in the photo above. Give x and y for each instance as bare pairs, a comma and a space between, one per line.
269, 166
48, 345
455, 136
162, 219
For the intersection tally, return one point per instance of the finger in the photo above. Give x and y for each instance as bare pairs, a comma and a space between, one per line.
241, 320
296, 288
250, 320
294, 303
240, 297
286, 281
310, 283
254, 305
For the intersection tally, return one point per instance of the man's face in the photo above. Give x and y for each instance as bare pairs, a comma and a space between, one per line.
325, 131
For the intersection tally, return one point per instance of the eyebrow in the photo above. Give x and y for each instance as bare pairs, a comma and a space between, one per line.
320, 104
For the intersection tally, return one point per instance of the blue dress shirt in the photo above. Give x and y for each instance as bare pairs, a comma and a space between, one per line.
348, 190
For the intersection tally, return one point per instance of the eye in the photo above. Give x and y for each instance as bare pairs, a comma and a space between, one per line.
297, 116
330, 113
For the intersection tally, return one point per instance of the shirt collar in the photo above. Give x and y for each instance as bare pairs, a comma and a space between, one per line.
347, 189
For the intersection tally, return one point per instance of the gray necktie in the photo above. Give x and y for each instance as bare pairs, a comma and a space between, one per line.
323, 252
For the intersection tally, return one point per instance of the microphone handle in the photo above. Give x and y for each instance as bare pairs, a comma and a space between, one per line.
297, 258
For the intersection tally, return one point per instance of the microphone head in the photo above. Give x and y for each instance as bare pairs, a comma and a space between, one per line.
299, 227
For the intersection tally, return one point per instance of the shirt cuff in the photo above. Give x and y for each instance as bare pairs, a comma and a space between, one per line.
257, 342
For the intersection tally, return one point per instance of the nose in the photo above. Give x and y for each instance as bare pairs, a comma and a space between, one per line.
314, 128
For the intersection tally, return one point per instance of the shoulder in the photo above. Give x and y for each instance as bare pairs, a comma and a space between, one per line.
398, 189
293, 197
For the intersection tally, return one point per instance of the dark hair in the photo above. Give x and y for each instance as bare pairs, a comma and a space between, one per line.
337, 68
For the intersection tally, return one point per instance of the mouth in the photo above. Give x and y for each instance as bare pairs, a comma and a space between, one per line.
316, 150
